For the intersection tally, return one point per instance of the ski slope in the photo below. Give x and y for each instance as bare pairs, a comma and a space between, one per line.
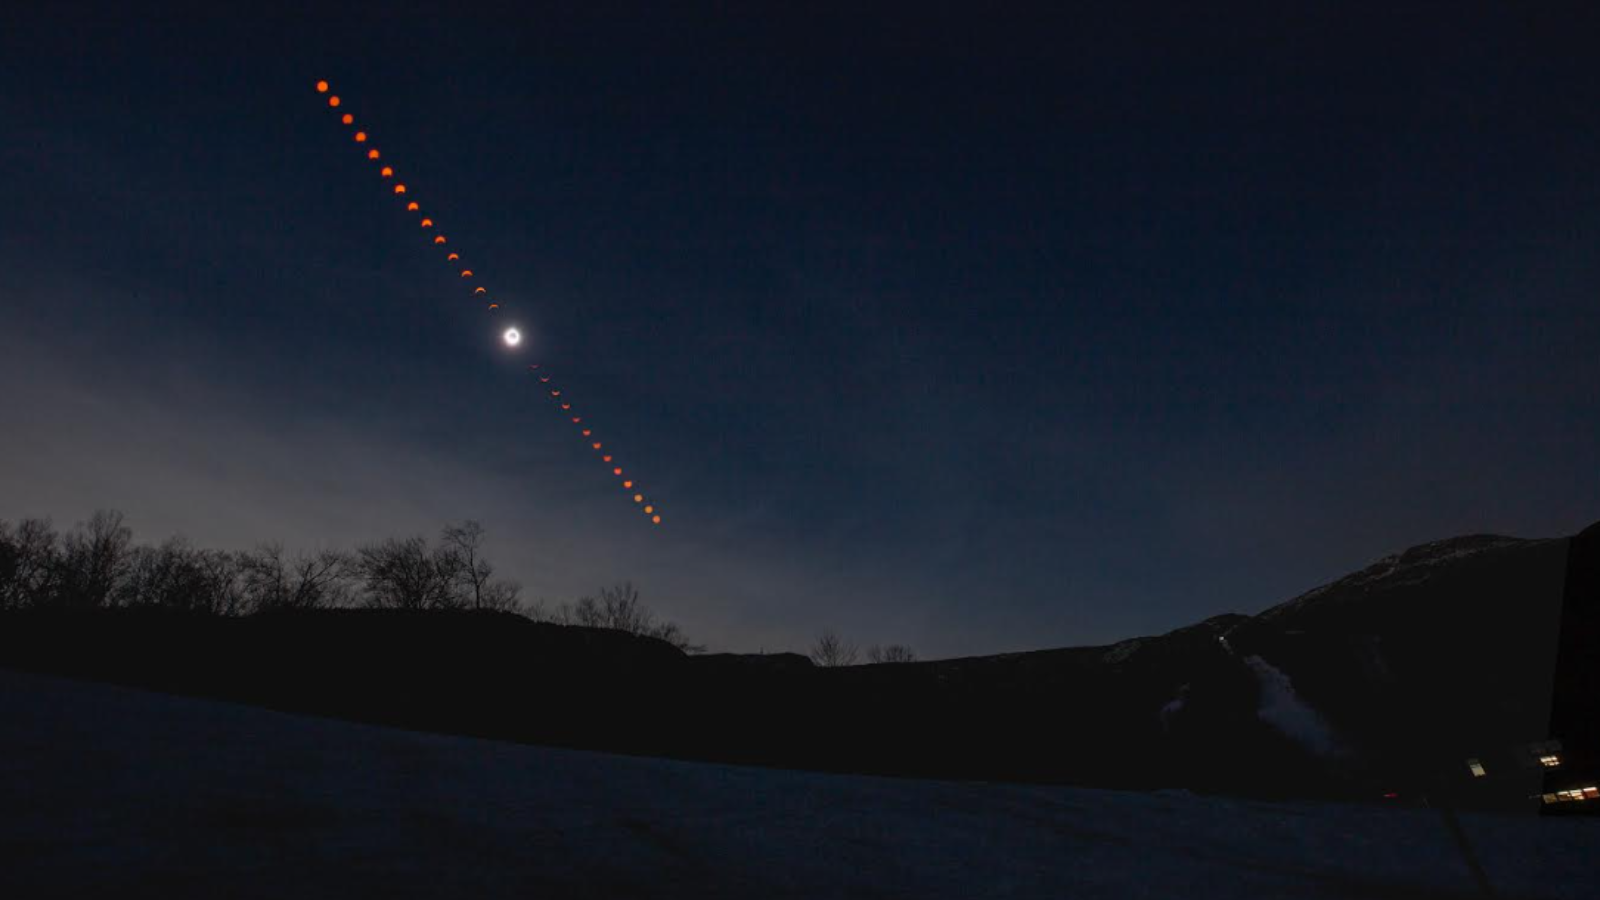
107, 791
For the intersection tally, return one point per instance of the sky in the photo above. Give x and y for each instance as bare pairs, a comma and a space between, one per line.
972, 328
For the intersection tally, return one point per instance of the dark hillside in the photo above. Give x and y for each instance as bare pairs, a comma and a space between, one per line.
1385, 680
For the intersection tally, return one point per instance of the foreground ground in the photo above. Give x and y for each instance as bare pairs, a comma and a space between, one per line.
106, 791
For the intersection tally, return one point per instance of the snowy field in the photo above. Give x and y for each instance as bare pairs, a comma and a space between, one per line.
108, 792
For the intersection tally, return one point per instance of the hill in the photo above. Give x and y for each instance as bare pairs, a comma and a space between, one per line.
1383, 682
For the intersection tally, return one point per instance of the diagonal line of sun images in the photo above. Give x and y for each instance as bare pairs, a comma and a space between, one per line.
479, 292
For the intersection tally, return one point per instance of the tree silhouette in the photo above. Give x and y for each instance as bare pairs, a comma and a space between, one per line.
830, 650
406, 574
274, 581
893, 653
472, 570
93, 557
28, 564
619, 608
97, 565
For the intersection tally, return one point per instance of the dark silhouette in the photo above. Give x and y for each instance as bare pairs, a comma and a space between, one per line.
831, 651
893, 653
619, 609
1380, 684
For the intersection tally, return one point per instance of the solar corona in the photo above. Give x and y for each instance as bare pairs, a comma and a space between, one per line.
510, 337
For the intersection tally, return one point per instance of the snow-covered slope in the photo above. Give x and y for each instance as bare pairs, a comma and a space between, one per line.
108, 792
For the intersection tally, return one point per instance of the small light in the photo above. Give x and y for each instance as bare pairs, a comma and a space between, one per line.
322, 87
333, 101
512, 337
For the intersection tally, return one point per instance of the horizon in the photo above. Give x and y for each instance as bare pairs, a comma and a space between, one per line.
559, 611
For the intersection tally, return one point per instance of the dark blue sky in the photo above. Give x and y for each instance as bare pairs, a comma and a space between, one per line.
977, 330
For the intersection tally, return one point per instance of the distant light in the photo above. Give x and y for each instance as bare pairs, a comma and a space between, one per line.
333, 101
512, 337
322, 87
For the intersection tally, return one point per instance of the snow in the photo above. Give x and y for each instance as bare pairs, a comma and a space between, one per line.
1174, 706
113, 792
1283, 709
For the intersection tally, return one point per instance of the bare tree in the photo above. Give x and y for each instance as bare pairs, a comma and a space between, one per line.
619, 608
165, 576
93, 557
224, 580
894, 653
472, 570
407, 574
831, 650
503, 596
28, 564
272, 581
177, 576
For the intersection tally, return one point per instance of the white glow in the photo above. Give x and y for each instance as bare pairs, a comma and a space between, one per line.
512, 337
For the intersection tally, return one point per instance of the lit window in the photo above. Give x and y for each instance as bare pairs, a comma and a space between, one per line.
1477, 768
1549, 798
1591, 792
1550, 760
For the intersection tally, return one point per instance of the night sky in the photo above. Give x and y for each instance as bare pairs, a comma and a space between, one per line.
972, 329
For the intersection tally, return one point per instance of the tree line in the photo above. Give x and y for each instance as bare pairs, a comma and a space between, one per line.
97, 565
831, 650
